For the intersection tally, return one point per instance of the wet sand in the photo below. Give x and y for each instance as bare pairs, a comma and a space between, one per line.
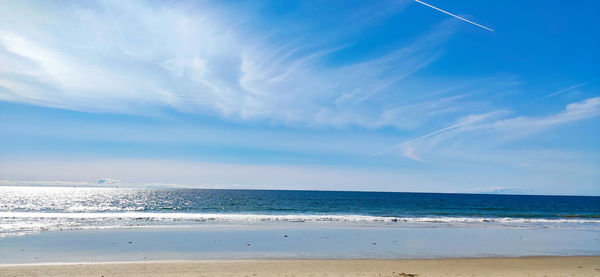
526, 266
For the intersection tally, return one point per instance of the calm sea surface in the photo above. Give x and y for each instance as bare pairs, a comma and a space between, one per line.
26, 210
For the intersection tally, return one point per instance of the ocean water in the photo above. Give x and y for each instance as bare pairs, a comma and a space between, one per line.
26, 210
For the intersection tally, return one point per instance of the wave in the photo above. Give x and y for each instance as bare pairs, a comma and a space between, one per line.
89, 209
241, 218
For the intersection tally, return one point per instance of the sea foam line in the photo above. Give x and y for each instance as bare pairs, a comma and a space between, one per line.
213, 217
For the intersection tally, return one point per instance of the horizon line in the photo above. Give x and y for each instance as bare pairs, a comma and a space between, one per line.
3, 183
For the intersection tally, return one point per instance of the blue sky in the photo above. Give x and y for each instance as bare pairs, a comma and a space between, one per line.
344, 95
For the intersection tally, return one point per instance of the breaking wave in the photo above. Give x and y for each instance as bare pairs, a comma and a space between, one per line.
19, 223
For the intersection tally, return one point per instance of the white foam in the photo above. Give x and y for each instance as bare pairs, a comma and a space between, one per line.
22, 223
215, 217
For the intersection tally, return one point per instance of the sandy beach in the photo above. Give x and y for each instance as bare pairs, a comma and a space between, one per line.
526, 266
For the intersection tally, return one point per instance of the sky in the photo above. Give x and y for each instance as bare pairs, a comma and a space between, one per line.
398, 95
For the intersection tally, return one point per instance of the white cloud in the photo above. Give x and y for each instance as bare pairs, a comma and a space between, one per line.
523, 125
410, 152
472, 132
500, 190
137, 58
507, 128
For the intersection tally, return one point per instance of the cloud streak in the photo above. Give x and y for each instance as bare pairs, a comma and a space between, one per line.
521, 126
492, 128
202, 60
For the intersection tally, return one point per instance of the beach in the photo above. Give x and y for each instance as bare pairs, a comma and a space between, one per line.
129, 232
302, 251
525, 266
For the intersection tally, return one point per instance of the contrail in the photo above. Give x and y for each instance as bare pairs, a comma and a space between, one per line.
566, 89
415, 139
466, 122
463, 19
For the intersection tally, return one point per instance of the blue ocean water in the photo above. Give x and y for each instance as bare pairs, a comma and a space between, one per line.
32, 209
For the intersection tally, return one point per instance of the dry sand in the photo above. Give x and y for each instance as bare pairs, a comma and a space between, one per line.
528, 266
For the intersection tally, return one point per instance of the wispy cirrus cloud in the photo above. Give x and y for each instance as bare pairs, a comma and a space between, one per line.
496, 127
138, 58
524, 125
293, 84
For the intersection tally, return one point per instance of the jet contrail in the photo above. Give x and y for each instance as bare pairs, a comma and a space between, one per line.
463, 19
458, 125
415, 139
566, 89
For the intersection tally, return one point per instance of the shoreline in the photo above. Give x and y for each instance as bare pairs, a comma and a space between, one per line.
220, 260
490, 266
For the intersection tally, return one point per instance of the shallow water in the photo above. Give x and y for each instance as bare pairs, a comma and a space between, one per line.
292, 241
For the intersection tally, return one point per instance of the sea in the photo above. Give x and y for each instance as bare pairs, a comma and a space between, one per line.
27, 210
